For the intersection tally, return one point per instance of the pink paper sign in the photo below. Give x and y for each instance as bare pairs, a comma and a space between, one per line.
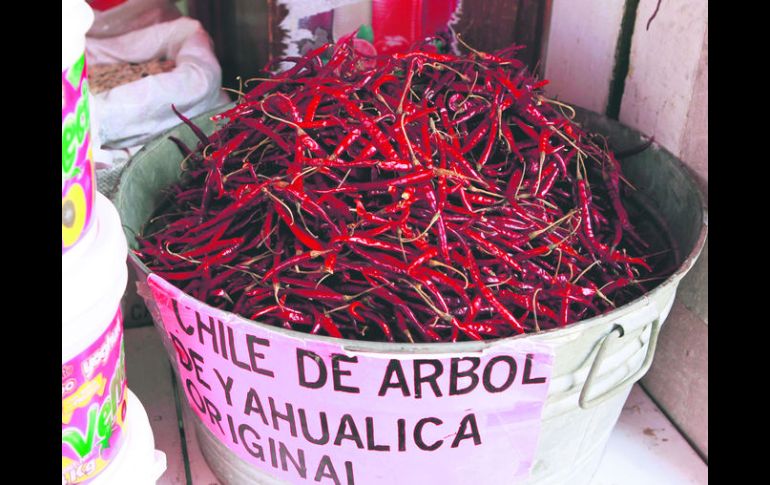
318, 411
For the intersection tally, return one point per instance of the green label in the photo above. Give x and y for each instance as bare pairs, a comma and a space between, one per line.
73, 133
76, 71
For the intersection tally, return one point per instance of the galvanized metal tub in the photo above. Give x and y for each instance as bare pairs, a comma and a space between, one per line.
596, 361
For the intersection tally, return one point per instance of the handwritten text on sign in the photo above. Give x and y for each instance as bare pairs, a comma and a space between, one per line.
314, 412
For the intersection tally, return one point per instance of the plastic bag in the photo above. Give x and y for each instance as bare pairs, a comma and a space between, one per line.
128, 116
134, 113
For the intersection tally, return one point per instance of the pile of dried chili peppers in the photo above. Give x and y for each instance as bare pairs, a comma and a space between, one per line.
423, 197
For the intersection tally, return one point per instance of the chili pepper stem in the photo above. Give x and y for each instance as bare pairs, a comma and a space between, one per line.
418, 289
569, 108
433, 263
534, 308
556, 223
586, 270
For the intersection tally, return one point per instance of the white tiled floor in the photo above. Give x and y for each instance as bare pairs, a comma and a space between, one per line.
644, 449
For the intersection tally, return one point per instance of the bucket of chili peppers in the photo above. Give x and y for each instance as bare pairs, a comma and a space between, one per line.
414, 270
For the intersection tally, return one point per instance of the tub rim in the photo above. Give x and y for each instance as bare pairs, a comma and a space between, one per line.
669, 284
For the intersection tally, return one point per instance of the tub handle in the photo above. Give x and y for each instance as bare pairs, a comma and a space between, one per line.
587, 403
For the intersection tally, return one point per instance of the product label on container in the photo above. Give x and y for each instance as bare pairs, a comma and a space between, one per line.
93, 406
78, 183
307, 411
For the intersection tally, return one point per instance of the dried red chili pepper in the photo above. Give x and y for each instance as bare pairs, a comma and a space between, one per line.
422, 197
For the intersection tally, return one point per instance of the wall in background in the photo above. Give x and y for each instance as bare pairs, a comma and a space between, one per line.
580, 56
239, 29
248, 33
664, 94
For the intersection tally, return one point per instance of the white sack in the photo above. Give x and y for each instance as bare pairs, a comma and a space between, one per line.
134, 113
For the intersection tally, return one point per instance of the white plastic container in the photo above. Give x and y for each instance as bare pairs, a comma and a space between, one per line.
94, 275
138, 462
94, 278
76, 19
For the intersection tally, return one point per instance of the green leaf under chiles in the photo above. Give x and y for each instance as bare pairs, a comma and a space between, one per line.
366, 33
76, 71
